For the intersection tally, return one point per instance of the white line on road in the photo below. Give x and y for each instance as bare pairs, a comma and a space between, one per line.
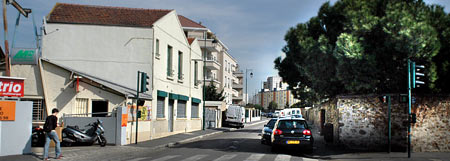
254, 157
226, 157
195, 158
166, 158
308, 159
139, 159
282, 157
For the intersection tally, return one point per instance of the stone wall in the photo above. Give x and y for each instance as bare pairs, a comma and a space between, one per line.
361, 122
432, 130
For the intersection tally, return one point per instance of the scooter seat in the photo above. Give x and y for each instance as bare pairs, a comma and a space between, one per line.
77, 128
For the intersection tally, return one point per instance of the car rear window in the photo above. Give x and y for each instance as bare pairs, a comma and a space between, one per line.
271, 123
292, 124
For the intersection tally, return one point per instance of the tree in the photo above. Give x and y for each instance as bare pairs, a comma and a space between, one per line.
360, 47
272, 106
211, 93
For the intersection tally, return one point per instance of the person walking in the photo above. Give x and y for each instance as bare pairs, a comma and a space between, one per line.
50, 134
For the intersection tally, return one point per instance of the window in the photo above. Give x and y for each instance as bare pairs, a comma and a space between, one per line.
180, 65
196, 73
39, 113
292, 124
194, 110
169, 61
181, 109
81, 106
226, 65
229, 67
157, 48
160, 107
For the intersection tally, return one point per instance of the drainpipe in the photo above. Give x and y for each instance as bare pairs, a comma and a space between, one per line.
204, 81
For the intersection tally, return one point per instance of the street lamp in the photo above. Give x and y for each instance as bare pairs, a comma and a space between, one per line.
246, 75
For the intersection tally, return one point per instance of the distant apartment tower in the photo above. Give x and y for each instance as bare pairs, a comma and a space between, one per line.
274, 83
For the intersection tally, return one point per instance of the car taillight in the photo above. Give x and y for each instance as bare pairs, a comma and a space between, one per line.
277, 132
306, 132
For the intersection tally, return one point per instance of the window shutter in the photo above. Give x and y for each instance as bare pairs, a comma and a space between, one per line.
160, 107
181, 109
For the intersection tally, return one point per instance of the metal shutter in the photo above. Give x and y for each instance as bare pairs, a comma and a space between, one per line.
194, 110
181, 109
160, 107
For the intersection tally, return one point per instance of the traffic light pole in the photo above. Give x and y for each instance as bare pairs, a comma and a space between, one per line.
409, 108
137, 107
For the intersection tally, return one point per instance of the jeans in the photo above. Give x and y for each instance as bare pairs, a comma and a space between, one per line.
52, 135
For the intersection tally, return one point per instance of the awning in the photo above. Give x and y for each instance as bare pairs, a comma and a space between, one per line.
161, 93
173, 96
196, 100
183, 97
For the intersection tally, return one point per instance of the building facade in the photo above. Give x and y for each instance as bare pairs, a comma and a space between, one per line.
114, 48
220, 65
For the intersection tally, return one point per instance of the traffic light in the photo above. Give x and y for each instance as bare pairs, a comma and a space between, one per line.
415, 75
144, 82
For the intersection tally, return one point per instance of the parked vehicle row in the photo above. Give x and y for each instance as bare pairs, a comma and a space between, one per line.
289, 132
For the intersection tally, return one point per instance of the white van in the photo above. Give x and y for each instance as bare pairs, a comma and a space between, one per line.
235, 116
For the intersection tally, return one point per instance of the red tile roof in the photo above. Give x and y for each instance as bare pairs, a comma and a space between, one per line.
190, 40
186, 22
104, 15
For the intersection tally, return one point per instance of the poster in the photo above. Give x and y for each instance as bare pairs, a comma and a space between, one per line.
7, 110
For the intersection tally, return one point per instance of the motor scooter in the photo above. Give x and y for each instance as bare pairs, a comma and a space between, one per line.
73, 135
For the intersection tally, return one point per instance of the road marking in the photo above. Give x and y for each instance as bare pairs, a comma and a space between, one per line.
226, 157
309, 159
282, 157
195, 158
139, 159
166, 158
254, 157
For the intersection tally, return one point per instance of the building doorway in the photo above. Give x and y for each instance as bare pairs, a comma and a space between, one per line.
99, 108
170, 117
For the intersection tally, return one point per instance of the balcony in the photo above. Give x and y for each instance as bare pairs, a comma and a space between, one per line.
238, 97
214, 80
237, 86
211, 45
238, 74
212, 64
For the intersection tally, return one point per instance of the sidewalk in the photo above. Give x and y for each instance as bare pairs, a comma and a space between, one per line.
96, 152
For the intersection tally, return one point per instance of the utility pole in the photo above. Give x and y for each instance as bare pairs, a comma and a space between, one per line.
5, 29
412, 82
204, 81
24, 12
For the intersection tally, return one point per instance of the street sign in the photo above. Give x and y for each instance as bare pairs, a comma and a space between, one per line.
7, 110
11, 87
24, 56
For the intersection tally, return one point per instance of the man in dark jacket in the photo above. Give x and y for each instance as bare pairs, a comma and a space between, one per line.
50, 133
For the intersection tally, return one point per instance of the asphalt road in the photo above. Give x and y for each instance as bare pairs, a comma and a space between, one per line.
242, 144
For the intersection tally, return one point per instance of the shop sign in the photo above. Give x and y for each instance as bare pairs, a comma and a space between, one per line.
24, 56
11, 87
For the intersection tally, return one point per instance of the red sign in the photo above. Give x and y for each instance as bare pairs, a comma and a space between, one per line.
11, 87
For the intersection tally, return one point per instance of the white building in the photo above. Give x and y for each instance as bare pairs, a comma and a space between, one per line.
220, 65
275, 83
113, 43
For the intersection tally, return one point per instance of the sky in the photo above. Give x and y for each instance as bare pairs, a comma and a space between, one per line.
253, 30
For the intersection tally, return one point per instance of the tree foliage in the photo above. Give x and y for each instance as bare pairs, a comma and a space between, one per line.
211, 93
359, 47
272, 106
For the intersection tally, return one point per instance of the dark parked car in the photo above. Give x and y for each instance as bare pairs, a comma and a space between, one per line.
269, 115
292, 133
267, 131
